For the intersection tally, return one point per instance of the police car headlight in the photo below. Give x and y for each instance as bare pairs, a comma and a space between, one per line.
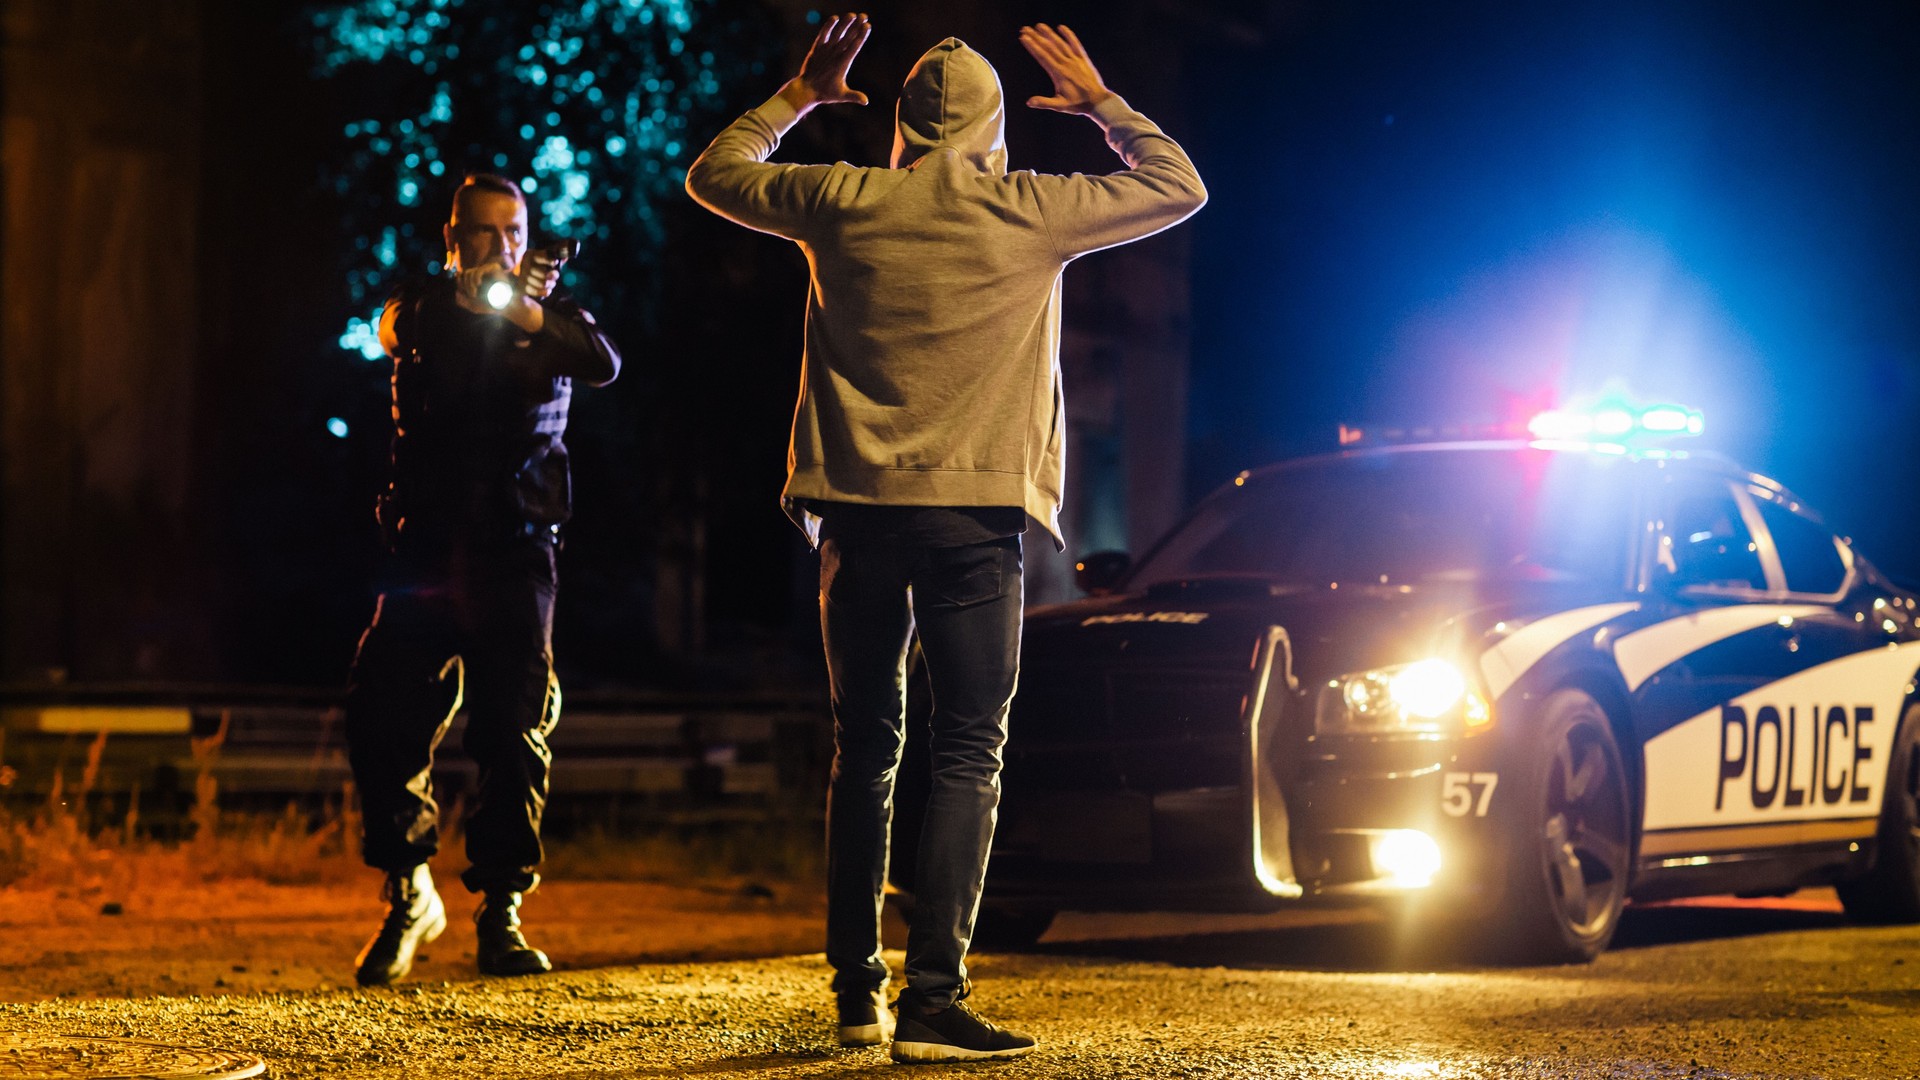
1430, 696
1408, 858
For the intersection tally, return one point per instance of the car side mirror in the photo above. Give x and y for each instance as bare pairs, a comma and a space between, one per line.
1097, 574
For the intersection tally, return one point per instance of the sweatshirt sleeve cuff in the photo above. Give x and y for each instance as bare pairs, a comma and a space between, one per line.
777, 112
1111, 111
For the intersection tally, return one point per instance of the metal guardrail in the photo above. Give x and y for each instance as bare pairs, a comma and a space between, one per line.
688, 757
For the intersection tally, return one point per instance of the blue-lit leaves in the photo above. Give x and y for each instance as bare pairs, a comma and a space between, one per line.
363, 337
360, 33
586, 60
593, 106
568, 210
364, 283
554, 154
562, 50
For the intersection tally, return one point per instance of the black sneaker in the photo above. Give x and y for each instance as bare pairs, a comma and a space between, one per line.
954, 1033
865, 1019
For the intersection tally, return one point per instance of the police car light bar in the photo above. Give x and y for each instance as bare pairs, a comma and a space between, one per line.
1352, 435
1615, 422
1610, 425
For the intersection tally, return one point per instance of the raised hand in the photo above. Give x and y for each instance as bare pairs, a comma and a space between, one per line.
1077, 87
823, 74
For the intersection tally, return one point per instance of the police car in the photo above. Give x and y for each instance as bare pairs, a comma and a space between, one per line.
1519, 679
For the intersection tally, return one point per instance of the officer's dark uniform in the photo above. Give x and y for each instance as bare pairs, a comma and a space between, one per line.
479, 491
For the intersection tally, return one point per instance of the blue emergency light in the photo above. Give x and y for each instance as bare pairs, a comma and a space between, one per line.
1610, 427
1615, 422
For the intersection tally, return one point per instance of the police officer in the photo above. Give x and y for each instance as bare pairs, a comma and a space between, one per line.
483, 363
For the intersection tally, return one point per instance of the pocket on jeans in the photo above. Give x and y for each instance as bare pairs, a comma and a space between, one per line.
963, 577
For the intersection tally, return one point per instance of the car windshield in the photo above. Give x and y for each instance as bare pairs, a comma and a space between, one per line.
1410, 517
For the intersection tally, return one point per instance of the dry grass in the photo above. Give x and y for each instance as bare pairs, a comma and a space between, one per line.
72, 840
77, 839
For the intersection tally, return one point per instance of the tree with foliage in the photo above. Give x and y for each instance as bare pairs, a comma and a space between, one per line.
595, 107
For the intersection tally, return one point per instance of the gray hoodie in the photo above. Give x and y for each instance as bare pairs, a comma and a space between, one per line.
931, 371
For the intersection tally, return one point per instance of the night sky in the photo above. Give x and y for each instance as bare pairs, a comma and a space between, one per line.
1419, 213
1433, 212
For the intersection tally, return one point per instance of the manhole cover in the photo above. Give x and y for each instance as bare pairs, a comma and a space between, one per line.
75, 1057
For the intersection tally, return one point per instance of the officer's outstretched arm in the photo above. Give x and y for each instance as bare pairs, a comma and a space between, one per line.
572, 344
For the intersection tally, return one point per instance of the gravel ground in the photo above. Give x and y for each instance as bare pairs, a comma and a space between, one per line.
1728, 990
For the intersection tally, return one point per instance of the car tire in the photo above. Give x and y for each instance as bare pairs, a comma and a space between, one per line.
1571, 841
998, 929
1889, 892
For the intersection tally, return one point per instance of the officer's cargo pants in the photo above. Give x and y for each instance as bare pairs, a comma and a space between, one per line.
472, 625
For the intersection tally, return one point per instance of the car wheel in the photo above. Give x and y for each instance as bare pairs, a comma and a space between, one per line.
1890, 891
1572, 843
1009, 930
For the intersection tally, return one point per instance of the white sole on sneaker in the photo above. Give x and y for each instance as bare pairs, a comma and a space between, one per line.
924, 1053
866, 1035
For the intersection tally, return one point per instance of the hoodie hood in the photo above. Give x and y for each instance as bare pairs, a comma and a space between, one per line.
952, 99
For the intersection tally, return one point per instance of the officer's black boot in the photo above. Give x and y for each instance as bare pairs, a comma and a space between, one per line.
415, 916
502, 950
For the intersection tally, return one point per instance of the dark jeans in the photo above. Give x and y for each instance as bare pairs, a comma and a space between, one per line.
964, 602
477, 625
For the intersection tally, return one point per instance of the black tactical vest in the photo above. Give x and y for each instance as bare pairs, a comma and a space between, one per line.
478, 420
